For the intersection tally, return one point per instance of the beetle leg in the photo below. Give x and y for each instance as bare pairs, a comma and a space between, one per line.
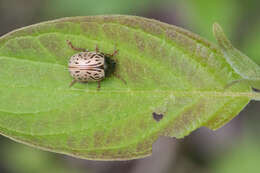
75, 48
72, 82
115, 51
99, 85
119, 77
113, 54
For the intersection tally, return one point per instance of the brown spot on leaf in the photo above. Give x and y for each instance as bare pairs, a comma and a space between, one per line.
91, 29
139, 42
223, 116
98, 138
145, 146
157, 117
110, 31
151, 27
108, 19
114, 138
62, 26
71, 141
85, 142
52, 43
130, 22
187, 119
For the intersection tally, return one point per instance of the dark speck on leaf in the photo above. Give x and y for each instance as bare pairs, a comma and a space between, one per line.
157, 116
256, 90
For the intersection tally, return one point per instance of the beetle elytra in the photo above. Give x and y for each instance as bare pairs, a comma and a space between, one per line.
91, 66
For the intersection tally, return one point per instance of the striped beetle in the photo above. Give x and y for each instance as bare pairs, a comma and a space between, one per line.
91, 66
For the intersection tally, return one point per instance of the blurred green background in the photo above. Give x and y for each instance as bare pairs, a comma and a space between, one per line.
233, 148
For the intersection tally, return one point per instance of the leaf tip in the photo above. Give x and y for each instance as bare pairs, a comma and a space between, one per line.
220, 36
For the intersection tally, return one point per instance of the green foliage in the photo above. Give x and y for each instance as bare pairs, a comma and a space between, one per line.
243, 65
243, 157
252, 42
168, 70
202, 13
92, 7
23, 159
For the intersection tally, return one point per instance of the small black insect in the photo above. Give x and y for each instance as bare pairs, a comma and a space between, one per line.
157, 116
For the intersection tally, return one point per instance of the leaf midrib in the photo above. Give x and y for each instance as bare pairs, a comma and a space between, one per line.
248, 94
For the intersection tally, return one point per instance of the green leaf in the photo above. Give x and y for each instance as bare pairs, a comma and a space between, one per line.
169, 71
244, 66
200, 15
252, 42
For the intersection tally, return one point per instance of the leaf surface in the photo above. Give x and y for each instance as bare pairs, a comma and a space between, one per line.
169, 71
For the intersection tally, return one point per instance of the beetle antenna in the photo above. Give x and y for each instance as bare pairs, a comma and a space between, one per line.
97, 48
119, 77
76, 48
